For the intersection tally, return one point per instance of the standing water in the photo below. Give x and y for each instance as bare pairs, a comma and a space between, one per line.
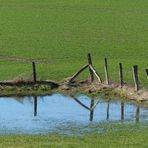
64, 114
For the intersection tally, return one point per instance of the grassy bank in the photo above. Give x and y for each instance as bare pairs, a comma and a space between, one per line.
63, 32
110, 140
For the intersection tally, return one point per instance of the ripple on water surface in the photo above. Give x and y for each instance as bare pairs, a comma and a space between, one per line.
65, 114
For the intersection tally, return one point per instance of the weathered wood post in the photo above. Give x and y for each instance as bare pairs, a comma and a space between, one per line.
135, 75
106, 71
121, 75
35, 105
34, 72
90, 63
76, 74
146, 70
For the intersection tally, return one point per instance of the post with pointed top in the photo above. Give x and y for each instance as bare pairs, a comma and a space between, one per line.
135, 75
90, 63
121, 75
34, 72
106, 71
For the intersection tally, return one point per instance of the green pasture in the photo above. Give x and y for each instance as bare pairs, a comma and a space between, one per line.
122, 139
62, 32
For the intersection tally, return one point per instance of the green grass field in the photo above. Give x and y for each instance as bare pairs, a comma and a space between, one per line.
62, 32
110, 140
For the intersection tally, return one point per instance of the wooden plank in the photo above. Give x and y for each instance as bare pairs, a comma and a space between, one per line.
78, 73
95, 72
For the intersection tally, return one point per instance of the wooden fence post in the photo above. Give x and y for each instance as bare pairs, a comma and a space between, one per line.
121, 75
135, 75
146, 72
90, 63
34, 72
106, 71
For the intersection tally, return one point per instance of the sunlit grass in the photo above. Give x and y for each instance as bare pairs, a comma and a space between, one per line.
63, 32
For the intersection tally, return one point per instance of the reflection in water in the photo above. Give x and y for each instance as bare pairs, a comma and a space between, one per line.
92, 109
52, 113
108, 110
35, 105
137, 114
93, 106
122, 110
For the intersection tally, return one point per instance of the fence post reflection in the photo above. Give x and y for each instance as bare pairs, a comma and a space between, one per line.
122, 110
137, 114
35, 105
108, 109
91, 109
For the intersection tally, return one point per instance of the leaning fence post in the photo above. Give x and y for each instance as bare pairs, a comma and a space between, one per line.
146, 72
106, 71
121, 75
90, 63
135, 75
34, 72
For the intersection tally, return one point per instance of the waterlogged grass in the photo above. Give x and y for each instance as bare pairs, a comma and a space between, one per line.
63, 32
123, 138
25, 90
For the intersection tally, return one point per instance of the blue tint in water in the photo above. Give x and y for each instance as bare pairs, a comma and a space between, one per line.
56, 113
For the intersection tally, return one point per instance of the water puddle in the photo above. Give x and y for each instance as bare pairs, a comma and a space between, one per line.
64, 114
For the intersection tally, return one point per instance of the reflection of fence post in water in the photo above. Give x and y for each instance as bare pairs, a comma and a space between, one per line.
35, 105
122, 110
137, 114
108, 109
92, 106
91, 109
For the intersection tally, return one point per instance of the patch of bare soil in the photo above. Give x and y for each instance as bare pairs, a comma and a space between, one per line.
112, 89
